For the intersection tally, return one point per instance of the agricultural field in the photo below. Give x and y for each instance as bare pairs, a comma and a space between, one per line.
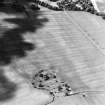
69, 43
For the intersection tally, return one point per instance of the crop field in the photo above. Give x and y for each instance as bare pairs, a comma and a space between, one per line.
72, 42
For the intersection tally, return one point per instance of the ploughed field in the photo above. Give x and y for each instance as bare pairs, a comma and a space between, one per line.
72, 42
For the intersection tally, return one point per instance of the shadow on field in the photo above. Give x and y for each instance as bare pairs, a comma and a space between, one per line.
13, 44
7, 88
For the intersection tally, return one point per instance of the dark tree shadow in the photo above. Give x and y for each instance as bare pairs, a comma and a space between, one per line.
12, 44
7, 88
11, 8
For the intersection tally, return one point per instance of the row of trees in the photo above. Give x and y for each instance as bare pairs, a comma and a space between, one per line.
33, 4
